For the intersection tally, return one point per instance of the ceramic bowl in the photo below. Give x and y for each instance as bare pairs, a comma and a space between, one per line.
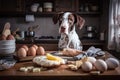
7, 47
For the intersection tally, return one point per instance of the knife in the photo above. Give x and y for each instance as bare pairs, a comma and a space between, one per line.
78, 57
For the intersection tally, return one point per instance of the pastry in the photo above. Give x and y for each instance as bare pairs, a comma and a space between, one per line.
70, 52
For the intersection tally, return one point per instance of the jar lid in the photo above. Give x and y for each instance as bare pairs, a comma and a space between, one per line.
47, 5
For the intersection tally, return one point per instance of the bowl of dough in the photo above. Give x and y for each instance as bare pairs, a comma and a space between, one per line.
7, 47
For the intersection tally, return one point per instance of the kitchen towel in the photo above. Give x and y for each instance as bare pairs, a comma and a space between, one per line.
7, 62
91, 52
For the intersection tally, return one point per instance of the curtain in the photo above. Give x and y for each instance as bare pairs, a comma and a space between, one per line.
114, 25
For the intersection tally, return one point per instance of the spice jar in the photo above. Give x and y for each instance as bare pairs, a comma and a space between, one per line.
40, 9
47, 6
34, 7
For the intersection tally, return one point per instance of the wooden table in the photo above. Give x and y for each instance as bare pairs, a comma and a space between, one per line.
59, 73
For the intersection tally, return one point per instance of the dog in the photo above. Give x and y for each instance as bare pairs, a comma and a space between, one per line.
67, 23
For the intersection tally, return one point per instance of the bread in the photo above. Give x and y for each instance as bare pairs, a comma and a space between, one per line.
71, 52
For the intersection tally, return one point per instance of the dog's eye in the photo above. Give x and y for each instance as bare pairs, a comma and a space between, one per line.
70, 20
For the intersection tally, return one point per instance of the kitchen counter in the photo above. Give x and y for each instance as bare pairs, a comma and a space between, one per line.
55, 41
58, 73
45, 41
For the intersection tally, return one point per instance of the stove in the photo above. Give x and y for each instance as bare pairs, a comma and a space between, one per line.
46, 37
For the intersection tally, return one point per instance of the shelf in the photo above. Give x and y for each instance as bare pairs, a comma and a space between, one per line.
12, 14
24, 7
42, 14
89, 13
55, 41
50, 14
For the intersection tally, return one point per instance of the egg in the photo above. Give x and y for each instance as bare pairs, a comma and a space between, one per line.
10, 37
87, 66
25, 47
112, 63
91, 59
35, 46
21, 53
40, 51
2, 37
100, 65
31, 51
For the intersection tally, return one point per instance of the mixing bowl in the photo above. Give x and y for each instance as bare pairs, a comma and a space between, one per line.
7, 47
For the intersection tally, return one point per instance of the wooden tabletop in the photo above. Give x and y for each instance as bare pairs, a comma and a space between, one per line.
58, 73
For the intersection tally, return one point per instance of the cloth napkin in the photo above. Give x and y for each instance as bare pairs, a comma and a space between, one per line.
91, 52
7, 62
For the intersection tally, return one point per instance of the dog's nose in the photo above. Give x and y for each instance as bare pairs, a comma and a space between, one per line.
62, 29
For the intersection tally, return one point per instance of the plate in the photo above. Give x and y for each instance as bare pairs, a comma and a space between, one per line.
44, 62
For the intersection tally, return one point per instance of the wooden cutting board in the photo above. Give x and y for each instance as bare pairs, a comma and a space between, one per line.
27, 58
30, 58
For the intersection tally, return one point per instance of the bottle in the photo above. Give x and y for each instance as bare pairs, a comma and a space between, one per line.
86, 8
101, 36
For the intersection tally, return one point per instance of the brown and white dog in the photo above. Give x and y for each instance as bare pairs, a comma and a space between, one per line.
67, 22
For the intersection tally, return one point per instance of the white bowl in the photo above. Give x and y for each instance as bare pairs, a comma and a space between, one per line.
7, 47
7, 51
7, 42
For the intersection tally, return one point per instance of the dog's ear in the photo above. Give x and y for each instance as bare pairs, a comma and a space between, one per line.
56, 17
79, 21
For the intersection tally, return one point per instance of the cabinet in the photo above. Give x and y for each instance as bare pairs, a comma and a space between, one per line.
65, 5
24, 7
85, 7
89, 6
11, 7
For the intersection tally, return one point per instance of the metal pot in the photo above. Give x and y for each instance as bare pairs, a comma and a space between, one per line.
21, 34
29, 33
